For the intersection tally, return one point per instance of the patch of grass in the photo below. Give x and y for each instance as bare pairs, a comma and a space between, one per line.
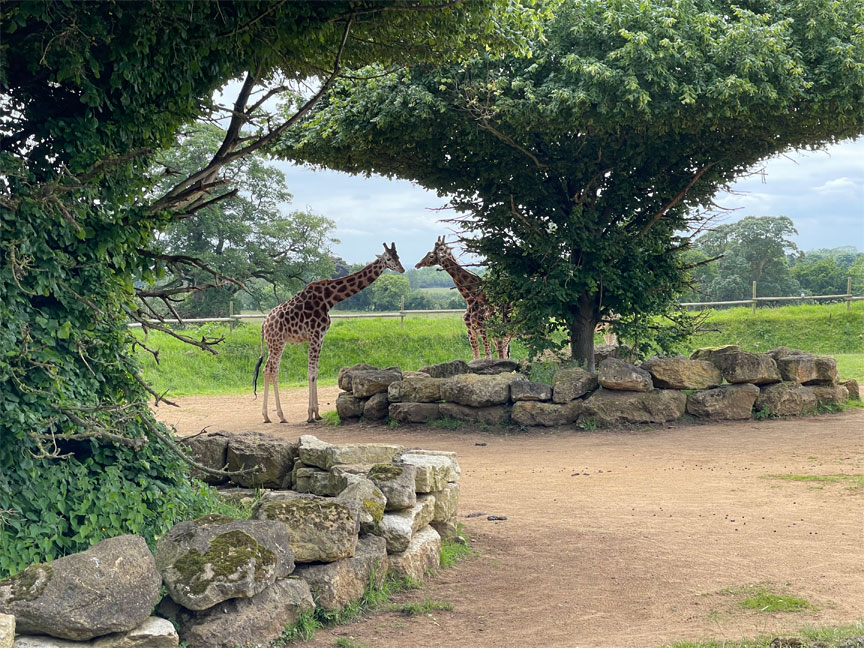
588, 424
761, 598
423, 607
343, 642
830, 637
301, 630
854, 481
455, 550
850, 365
446, 423
331, 418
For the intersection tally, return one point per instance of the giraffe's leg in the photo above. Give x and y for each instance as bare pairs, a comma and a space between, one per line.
312, 373
486, 348
501, 347
610, 338
276, 396
472, 340
271, 375
264, 404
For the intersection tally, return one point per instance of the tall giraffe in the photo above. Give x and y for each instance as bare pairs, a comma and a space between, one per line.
304, 318
478, 309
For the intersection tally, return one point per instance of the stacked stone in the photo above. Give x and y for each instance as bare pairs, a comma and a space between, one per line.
365, 391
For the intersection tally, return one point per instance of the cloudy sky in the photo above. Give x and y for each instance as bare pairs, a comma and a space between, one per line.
822, 192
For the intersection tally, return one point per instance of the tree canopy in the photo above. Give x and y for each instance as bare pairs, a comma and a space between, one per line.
579, 171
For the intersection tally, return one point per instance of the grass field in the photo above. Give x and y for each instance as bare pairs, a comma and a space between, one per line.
185, 370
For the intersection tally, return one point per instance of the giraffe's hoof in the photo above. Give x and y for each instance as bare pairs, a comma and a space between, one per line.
318, 417
283, 421
267, 421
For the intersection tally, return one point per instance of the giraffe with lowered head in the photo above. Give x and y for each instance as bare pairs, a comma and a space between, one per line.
304, 318
478, 309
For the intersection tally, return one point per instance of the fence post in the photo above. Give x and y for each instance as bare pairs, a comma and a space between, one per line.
848, 292
754, 297
402, 313
231, 315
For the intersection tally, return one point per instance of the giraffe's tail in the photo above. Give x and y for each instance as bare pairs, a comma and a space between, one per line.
258, 366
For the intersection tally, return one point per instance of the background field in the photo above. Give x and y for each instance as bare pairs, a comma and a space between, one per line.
381, 342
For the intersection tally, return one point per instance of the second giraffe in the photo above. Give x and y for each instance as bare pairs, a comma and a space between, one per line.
478, 310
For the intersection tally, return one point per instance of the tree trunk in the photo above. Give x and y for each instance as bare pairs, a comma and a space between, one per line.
582, 326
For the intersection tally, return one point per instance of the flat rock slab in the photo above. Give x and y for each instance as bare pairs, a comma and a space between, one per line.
530, 391
531, 413
727, 403
365, 383
710, 353
433, 471
396, 481
273, 457
414, 412
806, 369
785, 399
212, 559
155, 632
492, 366
446, 369
614, 373
479, 391
335, 585
742, 367
321, 529
607, 407
490, 415
683, 373
399, 527
314, 452
326, 483
421, 556
415, 390
571, 383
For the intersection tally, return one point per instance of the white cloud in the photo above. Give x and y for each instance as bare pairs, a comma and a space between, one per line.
843, 185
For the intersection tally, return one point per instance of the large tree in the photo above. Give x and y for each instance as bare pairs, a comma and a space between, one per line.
579, 171
89, 92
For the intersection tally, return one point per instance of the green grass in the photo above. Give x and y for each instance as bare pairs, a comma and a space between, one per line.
829, 637
761, 598
331, 417
425, 606
343, 642
454, 551
853, 481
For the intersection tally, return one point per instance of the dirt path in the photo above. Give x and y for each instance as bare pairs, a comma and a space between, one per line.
620, 538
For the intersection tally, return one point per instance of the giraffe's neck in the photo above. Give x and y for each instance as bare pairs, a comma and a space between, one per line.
348, 286
467, 283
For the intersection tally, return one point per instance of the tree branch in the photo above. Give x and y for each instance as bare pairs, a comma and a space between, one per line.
674, 201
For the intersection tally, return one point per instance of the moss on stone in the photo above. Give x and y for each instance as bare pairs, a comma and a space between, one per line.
385, 472
374, 508
29, 584
228, 553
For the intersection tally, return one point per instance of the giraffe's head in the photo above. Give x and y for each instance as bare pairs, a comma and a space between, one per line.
391, 258
436, 256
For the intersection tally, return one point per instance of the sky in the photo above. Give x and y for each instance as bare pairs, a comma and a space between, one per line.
821, 191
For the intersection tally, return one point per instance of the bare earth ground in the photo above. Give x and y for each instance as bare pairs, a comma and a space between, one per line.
618, 538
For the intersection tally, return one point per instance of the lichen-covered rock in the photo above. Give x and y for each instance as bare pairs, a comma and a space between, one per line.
446, 503
376, 407
110, 587
727, 403
608, 407
710, 353
7, 630
314, 452
396, 481
530, 413
785, 399
571, 383
326, 483
348, 407
742, 367
479, 391
415, 390
155, 632
274, 458
492, 366
414, 412
215, 558
335, 585
492, 415
434, 469
398, 527
530, 391
366, 500
829, 394
365, 383
208, 449
321, 529
616, 374
421, 556
683, 373
347, 373
852, 389
446, 369
808, 369
257, 621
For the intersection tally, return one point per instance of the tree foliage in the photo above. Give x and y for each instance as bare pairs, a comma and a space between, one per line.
578, 171
89, 93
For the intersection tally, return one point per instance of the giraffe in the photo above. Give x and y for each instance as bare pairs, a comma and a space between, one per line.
304, 318
478, 309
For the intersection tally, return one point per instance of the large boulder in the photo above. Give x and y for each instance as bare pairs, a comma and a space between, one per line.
434, 469
335, 585
321, 528
829, 394
346, 375
396, 481
546, 414
398, 527
257, 621
212, 559
110, 587
365, 383
272, 456
414, 412
608, 407
785, 399
524, 390
479, 391
348, 407
376, 407
571, 383
743, 367
446, 369
366, 500
619, 375
852, 389
314, 452
730, 402
492, 415
415, 390
421, 556
808, 369
683, 373
492, 366
208, 449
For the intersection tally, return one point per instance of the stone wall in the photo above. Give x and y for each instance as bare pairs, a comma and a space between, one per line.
723, 383
327, 519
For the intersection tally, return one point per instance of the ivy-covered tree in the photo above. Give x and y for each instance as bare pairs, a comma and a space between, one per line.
579, 171
89, 93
